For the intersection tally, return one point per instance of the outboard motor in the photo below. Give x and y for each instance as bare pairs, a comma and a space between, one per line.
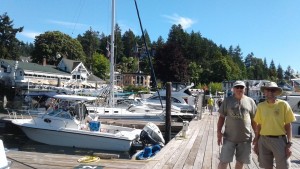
151, 135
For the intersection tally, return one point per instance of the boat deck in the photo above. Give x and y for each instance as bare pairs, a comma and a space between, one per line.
197, 150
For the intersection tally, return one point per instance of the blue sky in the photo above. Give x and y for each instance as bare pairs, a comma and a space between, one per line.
268, 28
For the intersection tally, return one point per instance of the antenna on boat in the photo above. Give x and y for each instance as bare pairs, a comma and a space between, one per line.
148, 54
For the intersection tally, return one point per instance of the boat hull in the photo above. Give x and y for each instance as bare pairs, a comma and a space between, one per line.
69, 139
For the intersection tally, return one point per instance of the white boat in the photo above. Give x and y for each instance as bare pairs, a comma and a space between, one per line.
138, 112
291, 93
61, 128
122, 113
181, 97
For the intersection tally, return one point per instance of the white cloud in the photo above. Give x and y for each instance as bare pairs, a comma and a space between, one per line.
70, 25
183, 21
30, 35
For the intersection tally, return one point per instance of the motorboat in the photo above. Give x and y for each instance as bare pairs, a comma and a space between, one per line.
181, 97
63, 128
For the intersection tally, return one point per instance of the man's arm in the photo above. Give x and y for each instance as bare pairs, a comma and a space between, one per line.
288, 129
255, 140
219, 129
254, 125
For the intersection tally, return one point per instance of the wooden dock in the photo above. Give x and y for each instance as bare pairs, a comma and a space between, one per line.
198, 150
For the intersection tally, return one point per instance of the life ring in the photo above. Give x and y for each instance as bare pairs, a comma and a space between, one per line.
88, 159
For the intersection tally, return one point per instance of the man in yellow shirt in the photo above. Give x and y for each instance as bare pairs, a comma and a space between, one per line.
274, 130
210, 104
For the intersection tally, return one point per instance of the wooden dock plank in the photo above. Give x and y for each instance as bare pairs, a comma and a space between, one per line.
207, 161
160, 159
183, 158
190, 162
216, 148
199, 160
180, 149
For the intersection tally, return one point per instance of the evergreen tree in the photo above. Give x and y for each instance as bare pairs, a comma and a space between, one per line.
273, 72
9, 44
90, 43
279, 73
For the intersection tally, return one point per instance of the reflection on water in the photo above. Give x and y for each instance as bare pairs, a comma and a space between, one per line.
14, 138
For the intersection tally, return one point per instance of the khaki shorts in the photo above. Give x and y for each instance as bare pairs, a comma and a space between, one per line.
242, 152
270, 148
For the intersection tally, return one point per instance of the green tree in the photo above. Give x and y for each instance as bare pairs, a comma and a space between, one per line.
171, 65
220, 70
215, 87
26, 49
279, 73
129, 41
273, 72
100, 66
50, 44
258, 70
288, 73
128, 65
9, 44
119, 44
195, 71
90, 43
266, 70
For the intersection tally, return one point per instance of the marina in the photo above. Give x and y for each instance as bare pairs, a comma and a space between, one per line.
198, 149
126, 100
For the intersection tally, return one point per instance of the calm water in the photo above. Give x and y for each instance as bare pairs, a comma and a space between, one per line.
13, 138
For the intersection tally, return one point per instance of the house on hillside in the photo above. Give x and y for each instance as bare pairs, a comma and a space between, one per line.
133, 79
18, 73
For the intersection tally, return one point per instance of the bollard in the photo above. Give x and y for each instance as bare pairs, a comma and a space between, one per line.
185, 128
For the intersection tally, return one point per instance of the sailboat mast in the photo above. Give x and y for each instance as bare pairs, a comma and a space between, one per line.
112, 56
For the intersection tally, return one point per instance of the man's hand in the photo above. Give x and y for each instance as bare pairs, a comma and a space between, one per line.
255, 143
220, 137
288, 151
255, 148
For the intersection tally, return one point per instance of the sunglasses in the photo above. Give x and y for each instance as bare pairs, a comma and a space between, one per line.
271, 90
239, 87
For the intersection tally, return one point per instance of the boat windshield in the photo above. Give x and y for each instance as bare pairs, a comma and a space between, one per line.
60, 113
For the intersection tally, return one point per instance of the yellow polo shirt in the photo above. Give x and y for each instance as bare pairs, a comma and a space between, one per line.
210, 101
273, 117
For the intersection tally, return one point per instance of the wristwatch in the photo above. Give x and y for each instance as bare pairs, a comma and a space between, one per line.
289, 143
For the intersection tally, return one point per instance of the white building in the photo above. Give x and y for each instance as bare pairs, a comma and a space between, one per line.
18, 73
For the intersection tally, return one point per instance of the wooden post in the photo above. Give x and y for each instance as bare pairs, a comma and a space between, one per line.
168, 112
